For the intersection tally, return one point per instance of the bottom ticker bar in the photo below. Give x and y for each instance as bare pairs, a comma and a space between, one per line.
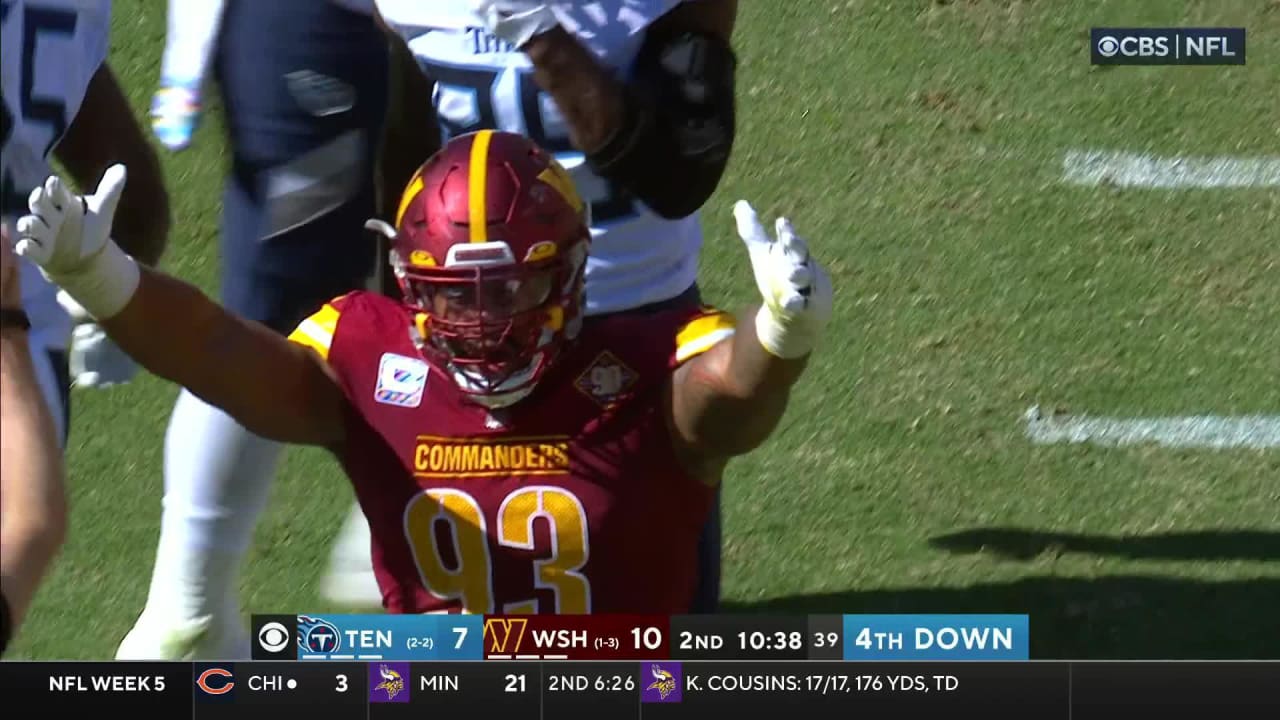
632, 690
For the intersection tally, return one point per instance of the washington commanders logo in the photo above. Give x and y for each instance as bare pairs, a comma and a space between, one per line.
502, 636
607, 380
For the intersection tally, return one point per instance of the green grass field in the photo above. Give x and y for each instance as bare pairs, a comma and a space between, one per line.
919, 145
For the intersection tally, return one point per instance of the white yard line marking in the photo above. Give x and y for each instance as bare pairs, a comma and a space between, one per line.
1216, 432
1122, 169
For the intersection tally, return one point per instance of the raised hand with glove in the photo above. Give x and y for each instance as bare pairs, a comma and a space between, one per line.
68, 238
796, 289
728, 400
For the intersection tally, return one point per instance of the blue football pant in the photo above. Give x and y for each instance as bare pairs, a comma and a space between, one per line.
304, 111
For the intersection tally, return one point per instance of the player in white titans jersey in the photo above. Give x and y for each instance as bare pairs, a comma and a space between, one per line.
634, 98
60, 97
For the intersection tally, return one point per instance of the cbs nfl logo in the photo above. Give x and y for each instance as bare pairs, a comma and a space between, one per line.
1166, 46
274, 637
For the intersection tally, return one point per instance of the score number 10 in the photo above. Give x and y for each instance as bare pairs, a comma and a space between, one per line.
648, 638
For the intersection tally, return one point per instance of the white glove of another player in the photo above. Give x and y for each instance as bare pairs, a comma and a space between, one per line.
796, 289
68, 237
516, 21
96, 361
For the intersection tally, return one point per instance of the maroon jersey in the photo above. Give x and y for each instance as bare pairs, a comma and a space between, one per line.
570, 501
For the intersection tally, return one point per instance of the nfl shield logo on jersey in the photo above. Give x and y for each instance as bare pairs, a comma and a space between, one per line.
401, 380
607, 380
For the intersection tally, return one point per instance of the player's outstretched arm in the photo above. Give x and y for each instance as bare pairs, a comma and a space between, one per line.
728, 400
105, 132
672, 118
271, 386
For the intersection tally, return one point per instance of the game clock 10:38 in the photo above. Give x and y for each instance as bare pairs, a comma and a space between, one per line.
778, 641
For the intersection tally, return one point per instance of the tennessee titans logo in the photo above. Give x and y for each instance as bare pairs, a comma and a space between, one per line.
318, 636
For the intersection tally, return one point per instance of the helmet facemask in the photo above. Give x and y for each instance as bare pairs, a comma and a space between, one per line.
494, 325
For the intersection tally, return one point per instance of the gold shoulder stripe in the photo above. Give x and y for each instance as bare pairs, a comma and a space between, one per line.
477, 187
701, 334
316, 332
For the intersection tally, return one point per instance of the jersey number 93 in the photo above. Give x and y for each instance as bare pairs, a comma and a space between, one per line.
465, 573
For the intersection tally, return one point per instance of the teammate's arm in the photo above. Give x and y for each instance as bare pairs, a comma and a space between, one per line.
103, 133
728, 400
672, 118
275, 388
33, 522
410, 134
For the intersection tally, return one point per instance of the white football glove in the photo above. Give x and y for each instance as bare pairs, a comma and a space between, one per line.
796, 289
68, 237
516, 21
96, 361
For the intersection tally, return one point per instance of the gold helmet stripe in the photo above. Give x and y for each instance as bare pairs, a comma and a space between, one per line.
477, 176
410, 192
557, 177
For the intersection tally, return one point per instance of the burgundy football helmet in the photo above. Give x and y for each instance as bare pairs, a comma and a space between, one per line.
489, 250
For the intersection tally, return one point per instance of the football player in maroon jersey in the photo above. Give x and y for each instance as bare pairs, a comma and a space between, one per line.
509, 459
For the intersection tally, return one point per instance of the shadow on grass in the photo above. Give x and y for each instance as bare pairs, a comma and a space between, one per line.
1110, 617
1022, 544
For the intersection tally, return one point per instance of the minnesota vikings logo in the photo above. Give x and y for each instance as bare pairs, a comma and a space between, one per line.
663, 682
392, 682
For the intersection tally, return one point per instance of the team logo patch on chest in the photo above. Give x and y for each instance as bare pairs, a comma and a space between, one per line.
607, 380
401, 381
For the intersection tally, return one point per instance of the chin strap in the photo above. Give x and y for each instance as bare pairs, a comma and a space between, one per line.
500, 401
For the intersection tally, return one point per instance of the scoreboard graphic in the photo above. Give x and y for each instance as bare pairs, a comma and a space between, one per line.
627, 667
